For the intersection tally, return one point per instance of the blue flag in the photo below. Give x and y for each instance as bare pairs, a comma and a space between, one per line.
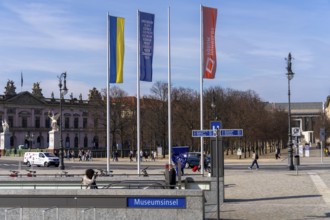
146, 35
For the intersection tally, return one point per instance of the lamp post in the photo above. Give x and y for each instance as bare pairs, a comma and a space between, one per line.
63, 91
29, 138
290, 76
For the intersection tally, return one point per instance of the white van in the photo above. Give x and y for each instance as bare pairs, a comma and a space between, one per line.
41, 159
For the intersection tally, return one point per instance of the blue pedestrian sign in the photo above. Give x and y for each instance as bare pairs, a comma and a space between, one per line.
216, 125
231, 132
203, 133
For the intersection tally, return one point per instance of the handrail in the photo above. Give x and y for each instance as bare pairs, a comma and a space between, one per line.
48, 209
77, 186
87, 209
20, 212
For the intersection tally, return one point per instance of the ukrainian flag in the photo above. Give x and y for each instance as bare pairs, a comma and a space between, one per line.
116, 49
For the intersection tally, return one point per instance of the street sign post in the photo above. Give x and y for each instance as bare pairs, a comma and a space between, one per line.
231, 132
218, 133
203, 133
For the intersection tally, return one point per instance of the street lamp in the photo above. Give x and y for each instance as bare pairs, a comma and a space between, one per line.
29, 138
290, 75
63, 91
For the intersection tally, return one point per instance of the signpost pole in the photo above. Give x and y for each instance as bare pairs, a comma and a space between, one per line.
218, 185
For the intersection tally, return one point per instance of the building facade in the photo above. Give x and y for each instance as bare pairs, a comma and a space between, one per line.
27, 115
303, 115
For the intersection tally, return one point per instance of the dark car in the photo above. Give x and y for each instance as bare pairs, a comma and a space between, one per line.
194, 158
192, 161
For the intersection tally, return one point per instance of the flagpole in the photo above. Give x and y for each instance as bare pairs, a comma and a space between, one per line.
201, 87
108, 95
21, 80
138, 96
169, 90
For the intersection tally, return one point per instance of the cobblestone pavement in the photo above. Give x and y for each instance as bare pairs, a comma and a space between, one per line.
278, 193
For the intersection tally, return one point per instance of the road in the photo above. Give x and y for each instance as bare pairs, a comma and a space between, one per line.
14, 163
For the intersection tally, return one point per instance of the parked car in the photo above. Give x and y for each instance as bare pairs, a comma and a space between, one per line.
192, 161
194, 158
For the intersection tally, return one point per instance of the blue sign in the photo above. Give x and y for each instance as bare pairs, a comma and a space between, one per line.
216, 125
145, 202
203, 133
146, 32
231, 132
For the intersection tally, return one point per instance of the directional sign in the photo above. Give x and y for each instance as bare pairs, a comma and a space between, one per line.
231, 132
203, 133
296, 132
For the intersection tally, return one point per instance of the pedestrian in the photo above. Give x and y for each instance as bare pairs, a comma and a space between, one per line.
277, 153
131, 156
255, 158
155, 155
89, 178
141, 155
116, 156
80, 155
152, 155
72, 154
146, 154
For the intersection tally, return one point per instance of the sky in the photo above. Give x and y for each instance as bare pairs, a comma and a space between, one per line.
44, 38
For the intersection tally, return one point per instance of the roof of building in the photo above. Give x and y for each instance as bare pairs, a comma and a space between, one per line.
304, 108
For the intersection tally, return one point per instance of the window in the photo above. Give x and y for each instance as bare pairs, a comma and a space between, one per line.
85, 142
67, 122
76, 123
85, 123
47, 122
24, 122
37, 122
76, 142
67, 142
11, 121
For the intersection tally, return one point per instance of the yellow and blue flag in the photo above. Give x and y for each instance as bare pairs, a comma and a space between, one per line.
117, 48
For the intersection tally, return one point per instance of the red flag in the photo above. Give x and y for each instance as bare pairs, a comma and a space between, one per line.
209, 58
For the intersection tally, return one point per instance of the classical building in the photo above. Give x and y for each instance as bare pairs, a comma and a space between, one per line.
27, 115
303, 115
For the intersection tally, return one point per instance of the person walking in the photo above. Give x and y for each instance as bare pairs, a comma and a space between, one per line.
131, 156
255, 158
277, 153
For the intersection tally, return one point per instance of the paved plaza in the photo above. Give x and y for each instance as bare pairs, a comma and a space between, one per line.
272, 192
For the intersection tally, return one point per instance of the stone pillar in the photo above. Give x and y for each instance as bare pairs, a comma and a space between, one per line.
5, 141
54, 141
